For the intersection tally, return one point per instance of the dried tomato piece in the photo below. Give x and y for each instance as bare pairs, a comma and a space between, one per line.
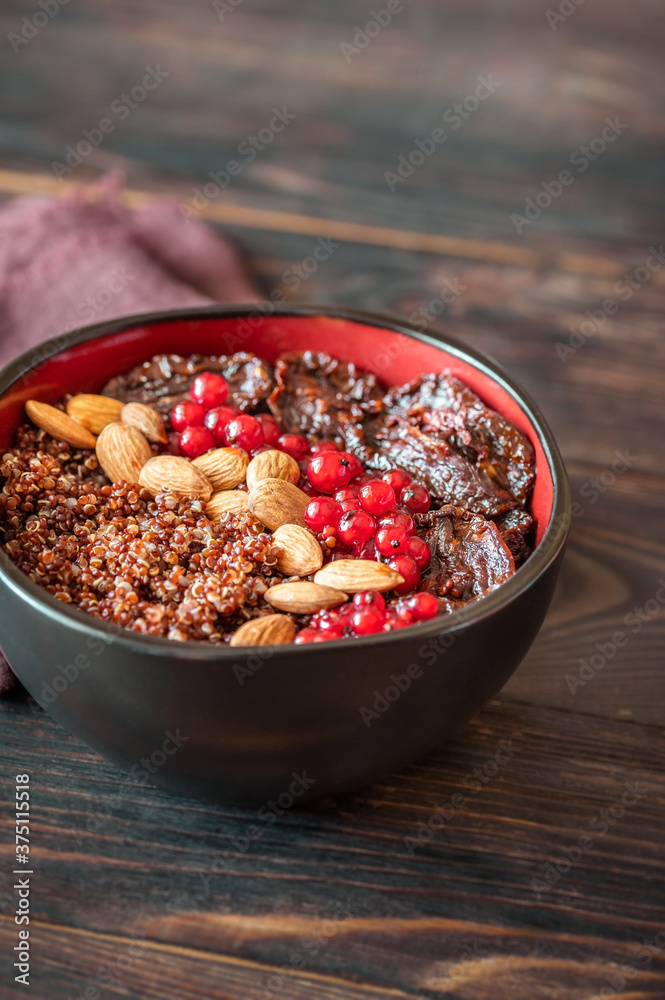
318, 394
469, 556
389, 441
167, 378
517, 530
446, 408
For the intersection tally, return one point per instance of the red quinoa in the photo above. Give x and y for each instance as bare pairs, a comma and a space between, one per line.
155, 566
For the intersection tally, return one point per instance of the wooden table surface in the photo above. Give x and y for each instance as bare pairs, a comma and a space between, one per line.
130, 895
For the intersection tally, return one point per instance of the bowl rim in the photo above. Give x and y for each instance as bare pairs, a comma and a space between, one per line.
546, 552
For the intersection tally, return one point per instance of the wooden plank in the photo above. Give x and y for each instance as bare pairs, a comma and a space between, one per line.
356, 118
454, 907
246, 216
601, 648
471, 963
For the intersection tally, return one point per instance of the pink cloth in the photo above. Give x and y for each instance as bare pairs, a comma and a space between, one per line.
84, 258
67, 262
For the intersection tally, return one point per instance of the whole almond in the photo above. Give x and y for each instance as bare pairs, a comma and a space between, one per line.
303, 597
94, 412
224, 467
122, 452
276, 502
59, 425
354, 575
146, 420
233, 501
272, 465
271, 630
299, 552
172, 474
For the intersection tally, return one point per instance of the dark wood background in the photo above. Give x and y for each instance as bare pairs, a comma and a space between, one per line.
125, 876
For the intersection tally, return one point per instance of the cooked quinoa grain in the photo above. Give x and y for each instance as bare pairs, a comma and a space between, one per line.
157, 566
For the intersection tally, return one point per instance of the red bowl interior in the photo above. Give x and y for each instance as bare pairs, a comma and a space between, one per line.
393, 357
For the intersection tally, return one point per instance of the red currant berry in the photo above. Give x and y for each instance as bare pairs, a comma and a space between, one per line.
328, 622
328, 470
421, 606
173, 446
312, 635
369, 599
321, 512
398, 519
331, 631
394, 622
416, 498
355, 468
344, 612
397, 479
419, 551
391, 541
368, 551
270, 428
367, 621
294, 445
409, 570
217, 419
402, 611
345, 493
209, 390
324, 446
244, 432
356, 527
186, 415
195, 441
377, 497
352, 504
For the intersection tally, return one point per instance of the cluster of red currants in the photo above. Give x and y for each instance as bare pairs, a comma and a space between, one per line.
367, 614
367, 516
204, 422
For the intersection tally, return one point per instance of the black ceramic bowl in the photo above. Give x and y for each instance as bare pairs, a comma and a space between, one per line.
297, 722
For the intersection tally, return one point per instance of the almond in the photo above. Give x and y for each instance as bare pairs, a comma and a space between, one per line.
146, 420
299, 552
233, 501
272, 630
354, 575
59, 425
94, 412
272, 465
122, 452
172, 474
276, 502
304, 598
224, 467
